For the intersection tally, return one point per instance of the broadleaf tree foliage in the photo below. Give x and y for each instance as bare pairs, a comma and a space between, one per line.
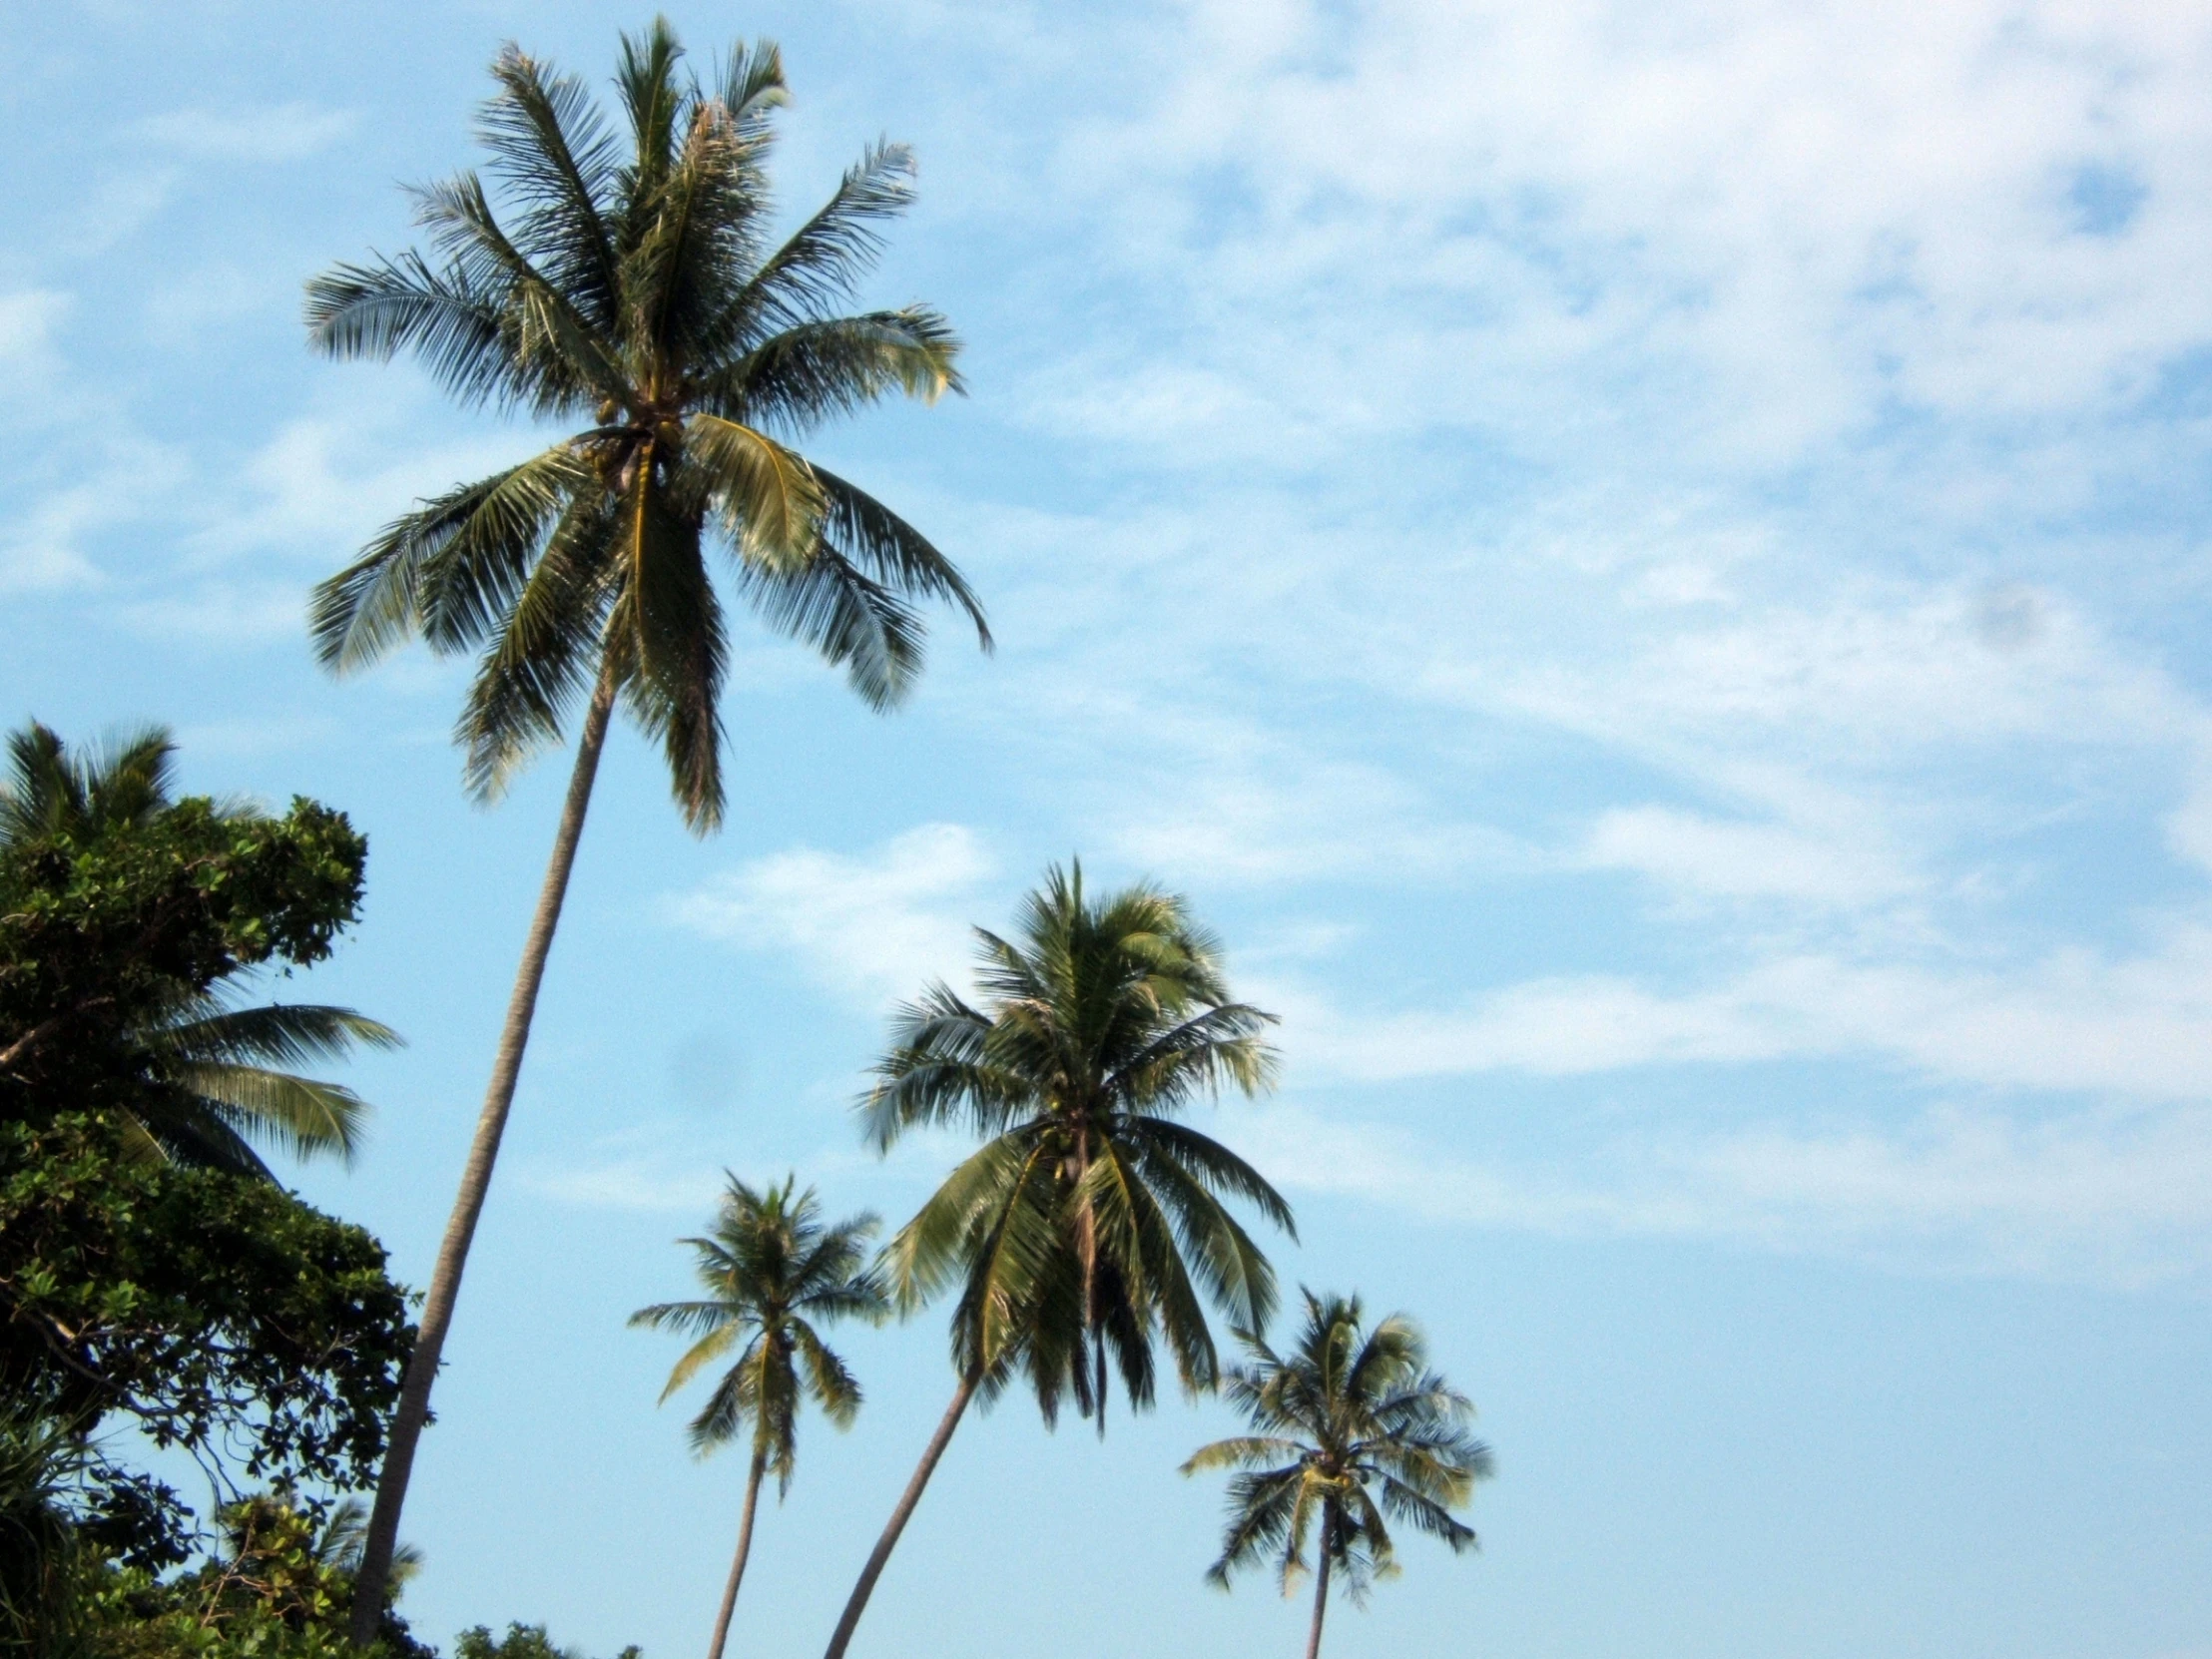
152, 1270
130, 919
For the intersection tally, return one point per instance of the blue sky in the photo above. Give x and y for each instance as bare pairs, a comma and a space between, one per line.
1643, 565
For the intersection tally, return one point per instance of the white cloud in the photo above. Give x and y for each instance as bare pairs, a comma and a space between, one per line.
27, 318
1233, 812
637, 1181
2086, 1197
322, 485
873, 928
40, 552
284, 133
220, 615
1701, 856
1869, 680
1759, 222
113, 478
2123, 1028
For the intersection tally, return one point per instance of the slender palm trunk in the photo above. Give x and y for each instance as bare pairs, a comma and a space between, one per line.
445, 1278
745, 1548
1320, 1591
850, 1619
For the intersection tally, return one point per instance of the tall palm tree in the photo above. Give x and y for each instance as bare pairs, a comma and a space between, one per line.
1092, 1223
770, 1270
212, 1079
1352, 1427
627, 281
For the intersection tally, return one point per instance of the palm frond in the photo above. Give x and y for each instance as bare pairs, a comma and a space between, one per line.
823, 259
279, 1034
554, 152
669, 626
452, 322
876, 540
448, 569
851, 620
805, 374
49, 792
765, 497
553, 641
301, 1115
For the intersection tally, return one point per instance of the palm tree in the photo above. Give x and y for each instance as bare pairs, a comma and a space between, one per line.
1351, 1428
344, 1535
771, 1268
1091, 1222
627, 282
212, 1079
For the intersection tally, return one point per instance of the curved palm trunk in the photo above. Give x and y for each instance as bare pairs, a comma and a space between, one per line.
745, 1548
372, 1583
850, 1619
1321, 1592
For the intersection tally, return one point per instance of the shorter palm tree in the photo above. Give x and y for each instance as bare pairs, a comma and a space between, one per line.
770, 1268
1092, 1224
1351, 1428
213, 1079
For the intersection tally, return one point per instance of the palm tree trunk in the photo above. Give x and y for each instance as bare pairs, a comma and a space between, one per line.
1321, 1592
850, 1619
445, 1278
745, 1548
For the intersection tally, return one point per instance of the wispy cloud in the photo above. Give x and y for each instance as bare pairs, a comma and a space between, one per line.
28, 320
873, 928
282, 132
2127, 1028
2086, 1196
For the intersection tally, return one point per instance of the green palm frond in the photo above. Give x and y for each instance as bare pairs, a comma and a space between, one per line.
452, 322
1088, 1229
558, 159
771, 1267
279, 1034
1353, 1433
849, 619
51, 793
766, 497
301, 1115
821, 264
616, 269
214, 1081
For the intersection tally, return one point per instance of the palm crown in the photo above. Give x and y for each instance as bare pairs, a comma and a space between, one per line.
1092, 1220
1354, 1432
772, 1271
631, 284
213, 1079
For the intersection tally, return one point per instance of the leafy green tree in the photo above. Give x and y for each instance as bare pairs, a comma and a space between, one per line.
627, 280
41, 1463
1092, 1223
1353, 1430
149, 1266
279, 1583
273, 1588
123, 918
522, 1641
771, 1270
212, 1310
